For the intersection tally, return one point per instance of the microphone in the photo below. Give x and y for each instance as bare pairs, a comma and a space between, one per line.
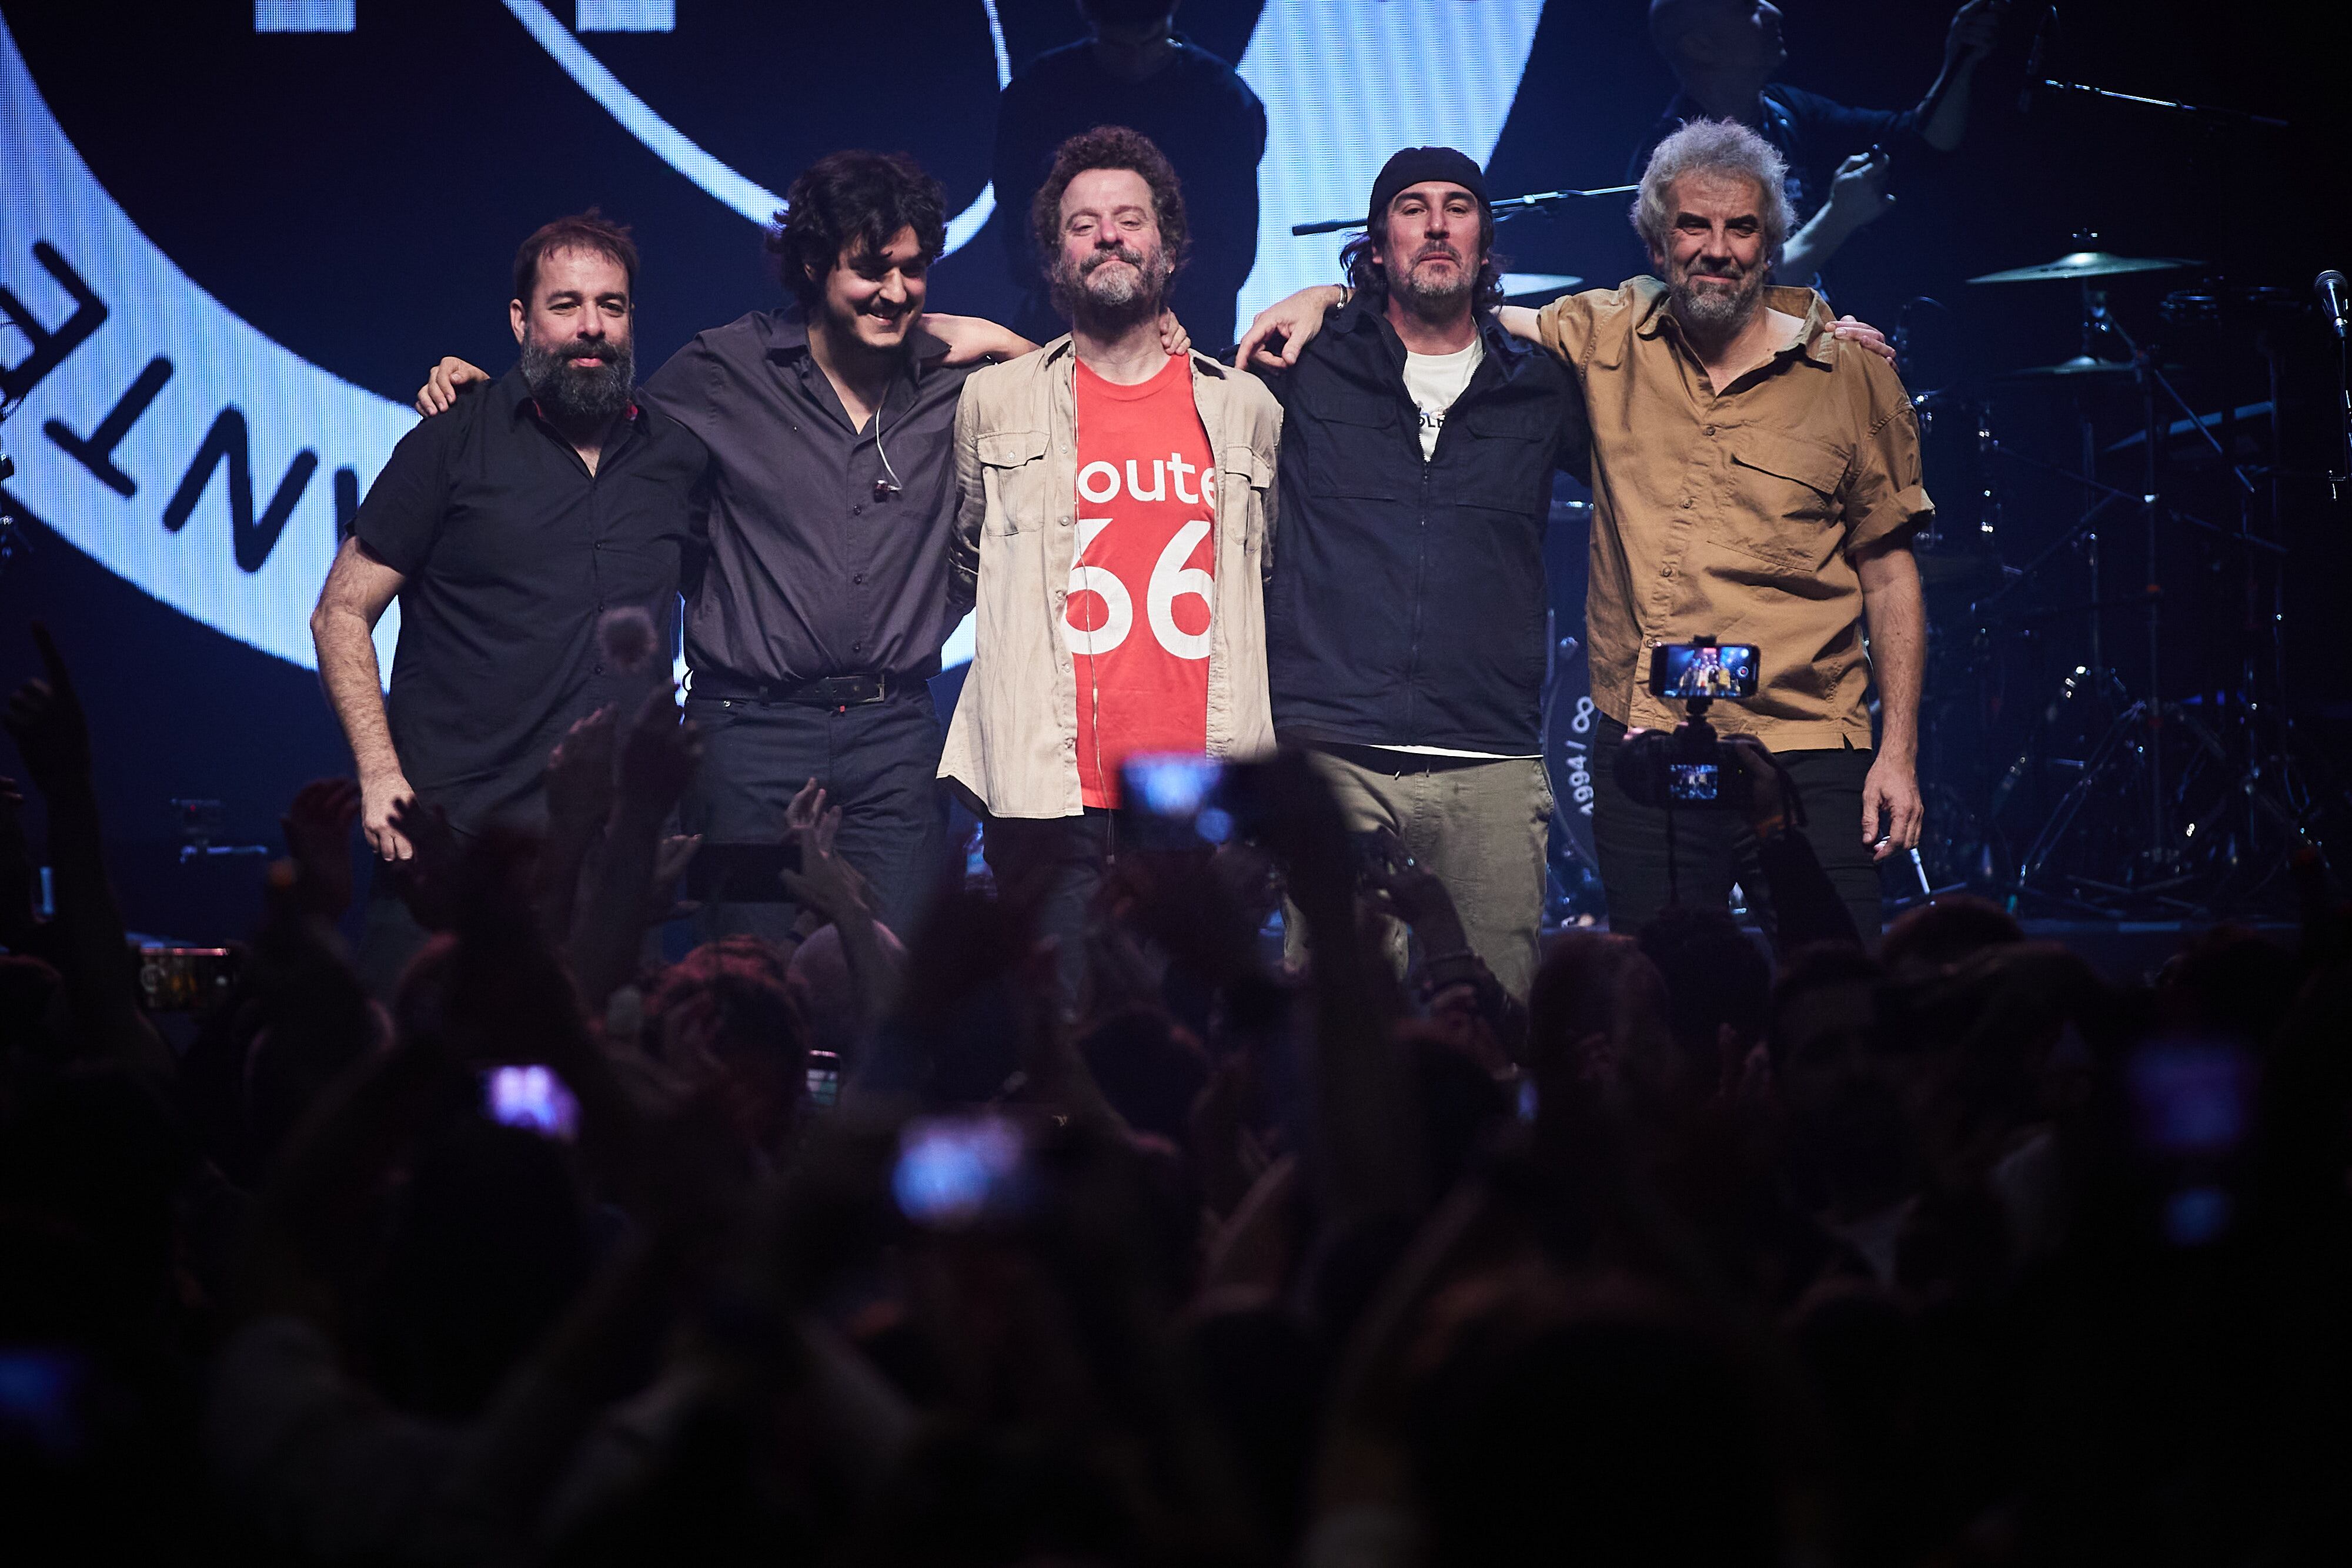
2033, 59
2334, 299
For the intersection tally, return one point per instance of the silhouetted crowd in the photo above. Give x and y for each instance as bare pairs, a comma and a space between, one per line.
854, 1248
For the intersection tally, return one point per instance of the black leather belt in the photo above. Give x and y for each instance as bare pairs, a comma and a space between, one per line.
825, 691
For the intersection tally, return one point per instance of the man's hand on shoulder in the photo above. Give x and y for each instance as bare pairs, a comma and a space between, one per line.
1862, 334
1292, 323
450, 380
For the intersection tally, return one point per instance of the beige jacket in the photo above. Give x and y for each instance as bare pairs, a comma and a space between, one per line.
1013, 744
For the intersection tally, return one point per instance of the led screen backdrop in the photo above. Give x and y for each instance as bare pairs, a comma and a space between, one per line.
222, 301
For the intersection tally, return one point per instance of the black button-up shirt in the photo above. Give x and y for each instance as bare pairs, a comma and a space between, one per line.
1407, 603
806, 573
511, 549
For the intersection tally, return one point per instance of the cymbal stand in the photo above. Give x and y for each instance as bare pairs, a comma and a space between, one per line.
2145, 719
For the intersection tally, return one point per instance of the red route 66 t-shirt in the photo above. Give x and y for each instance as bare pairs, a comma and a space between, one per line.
1137, 620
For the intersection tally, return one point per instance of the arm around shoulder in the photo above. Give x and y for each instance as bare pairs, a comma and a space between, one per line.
971, 494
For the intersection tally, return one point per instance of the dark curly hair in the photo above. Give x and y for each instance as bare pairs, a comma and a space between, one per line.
589, 231
1366, 275
1110, 147
855, 202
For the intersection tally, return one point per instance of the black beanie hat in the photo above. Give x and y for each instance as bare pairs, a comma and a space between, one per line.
1415, 165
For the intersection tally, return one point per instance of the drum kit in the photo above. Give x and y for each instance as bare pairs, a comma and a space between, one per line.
2105, 733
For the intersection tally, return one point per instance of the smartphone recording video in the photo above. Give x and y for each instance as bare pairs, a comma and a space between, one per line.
1689, 670
532, 1098
823, 1079
957, 1171
1175, 801
183, 979
1698, 783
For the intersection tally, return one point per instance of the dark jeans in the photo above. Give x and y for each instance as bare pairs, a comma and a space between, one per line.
1713, 848
1055, 866
879, 762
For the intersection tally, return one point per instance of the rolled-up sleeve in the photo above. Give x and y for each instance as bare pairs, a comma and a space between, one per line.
1565, 327
1884, 500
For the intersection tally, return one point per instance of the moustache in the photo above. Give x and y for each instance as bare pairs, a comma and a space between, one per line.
1447, 251
1108, 253
589, 349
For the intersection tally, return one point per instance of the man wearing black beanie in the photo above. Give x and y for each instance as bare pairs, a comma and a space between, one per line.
1406, 619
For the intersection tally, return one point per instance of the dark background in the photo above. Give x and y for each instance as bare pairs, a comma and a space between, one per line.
358, 198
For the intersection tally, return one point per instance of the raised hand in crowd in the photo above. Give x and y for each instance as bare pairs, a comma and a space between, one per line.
830, 889
46, 719
318, 827
427, 875
658, 758
579, 783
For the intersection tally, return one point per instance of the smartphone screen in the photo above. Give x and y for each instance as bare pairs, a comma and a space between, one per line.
1687, 670
956, 1170
1692, 780
183, 979
824, 1079
532, 1098
741, 874
1173, 800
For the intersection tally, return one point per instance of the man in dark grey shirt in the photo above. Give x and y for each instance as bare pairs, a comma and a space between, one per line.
817, 598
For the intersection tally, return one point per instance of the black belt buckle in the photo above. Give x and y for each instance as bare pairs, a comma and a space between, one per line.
841, 691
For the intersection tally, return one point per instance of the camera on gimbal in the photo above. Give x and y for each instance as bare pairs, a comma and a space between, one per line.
1690, 765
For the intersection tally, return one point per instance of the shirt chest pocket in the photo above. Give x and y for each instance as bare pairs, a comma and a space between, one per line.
1243, 473
1785, 507
1501, 457
1357, 449
1012, 473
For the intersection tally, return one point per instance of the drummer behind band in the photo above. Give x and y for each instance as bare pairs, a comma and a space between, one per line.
1725, 52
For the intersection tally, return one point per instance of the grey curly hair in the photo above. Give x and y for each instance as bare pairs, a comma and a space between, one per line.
1714, 147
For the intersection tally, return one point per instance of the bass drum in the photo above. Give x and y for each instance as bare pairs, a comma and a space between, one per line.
1569, 716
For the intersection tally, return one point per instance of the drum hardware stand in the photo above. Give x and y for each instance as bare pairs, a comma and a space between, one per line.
2146, 718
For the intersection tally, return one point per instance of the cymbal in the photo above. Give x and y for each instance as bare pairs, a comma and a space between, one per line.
2080, 365
2084, 264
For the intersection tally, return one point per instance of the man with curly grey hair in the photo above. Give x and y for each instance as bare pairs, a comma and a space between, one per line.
1753, 478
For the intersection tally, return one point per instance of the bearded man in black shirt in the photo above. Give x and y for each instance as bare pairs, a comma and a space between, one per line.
506, 533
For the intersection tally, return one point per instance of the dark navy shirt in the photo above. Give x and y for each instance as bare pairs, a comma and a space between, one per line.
806, 571
511, 551
1407, 602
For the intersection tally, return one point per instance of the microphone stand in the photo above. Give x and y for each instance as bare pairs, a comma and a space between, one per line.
2169, 106
1505, 207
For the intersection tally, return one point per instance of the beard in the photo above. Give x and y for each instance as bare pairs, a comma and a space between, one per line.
1430, 295
1716, 312
1085, 293
571, 395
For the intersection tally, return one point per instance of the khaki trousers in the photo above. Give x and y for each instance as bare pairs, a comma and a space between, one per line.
1482, 828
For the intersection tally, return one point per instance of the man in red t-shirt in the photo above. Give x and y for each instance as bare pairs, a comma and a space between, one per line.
1116, 504
1137, 622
